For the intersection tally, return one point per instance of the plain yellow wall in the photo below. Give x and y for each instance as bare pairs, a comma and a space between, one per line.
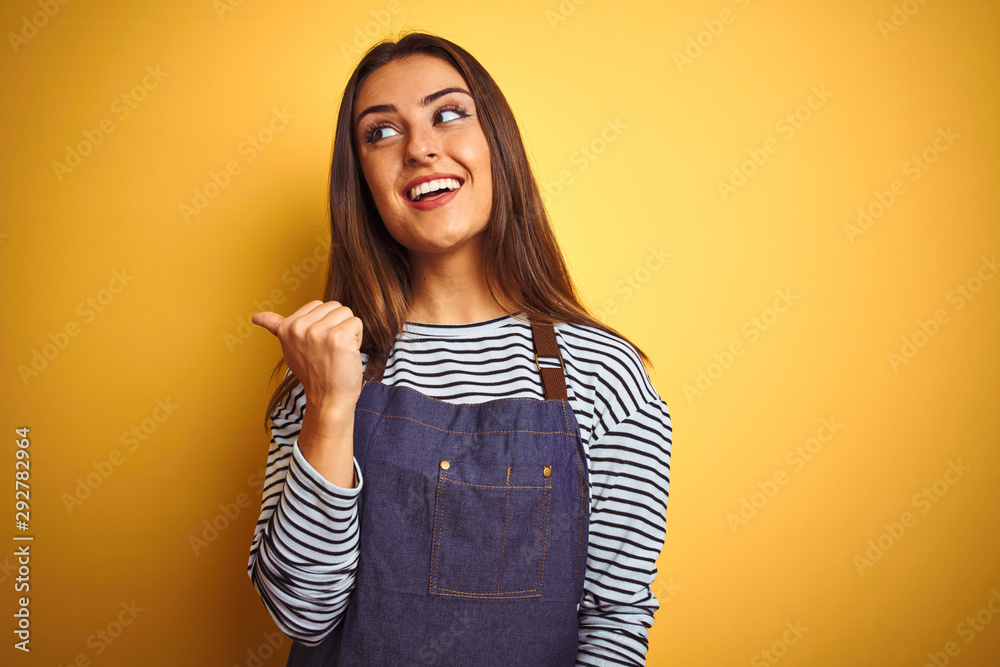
834, 392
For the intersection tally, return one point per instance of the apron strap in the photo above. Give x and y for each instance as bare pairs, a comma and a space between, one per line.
544, 336
553, 377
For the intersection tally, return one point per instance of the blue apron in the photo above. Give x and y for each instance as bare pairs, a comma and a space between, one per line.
473, 529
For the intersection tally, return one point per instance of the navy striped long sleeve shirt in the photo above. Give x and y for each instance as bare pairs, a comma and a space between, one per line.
304, 553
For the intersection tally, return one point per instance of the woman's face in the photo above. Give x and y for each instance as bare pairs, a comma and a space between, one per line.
408, 129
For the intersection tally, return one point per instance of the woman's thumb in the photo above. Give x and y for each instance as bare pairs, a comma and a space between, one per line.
268, 320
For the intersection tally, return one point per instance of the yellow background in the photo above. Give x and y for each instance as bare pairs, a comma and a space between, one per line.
567, 70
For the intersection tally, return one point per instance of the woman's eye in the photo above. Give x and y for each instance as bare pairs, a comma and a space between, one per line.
374, 134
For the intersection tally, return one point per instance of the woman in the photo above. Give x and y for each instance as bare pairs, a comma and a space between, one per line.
481, 476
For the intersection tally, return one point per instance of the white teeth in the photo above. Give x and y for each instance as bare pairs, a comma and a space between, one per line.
429, 186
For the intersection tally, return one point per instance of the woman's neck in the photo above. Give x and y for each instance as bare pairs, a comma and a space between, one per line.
450, 289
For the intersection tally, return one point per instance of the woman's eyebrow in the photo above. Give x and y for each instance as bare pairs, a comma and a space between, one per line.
424, 102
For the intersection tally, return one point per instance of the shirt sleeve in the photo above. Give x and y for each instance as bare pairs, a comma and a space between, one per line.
630, 479
304, 554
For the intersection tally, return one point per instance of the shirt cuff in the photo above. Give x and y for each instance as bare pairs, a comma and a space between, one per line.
316, 482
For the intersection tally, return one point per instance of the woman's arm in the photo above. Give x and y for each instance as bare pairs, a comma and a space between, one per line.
304, 554
630, 481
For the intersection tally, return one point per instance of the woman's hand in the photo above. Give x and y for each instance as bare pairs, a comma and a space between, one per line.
321, 343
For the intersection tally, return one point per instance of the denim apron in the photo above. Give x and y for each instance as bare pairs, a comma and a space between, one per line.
473, 529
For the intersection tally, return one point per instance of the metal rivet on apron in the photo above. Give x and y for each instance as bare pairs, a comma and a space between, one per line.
445, 465
547, 471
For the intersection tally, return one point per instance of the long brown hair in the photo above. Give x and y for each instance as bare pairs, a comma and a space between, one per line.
369, 271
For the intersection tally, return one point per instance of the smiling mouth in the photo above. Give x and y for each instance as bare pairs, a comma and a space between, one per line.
433, 189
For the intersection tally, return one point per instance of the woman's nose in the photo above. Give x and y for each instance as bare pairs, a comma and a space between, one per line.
422, 144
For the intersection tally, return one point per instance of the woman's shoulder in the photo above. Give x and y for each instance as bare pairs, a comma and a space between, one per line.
607, 368
609, 382
601, 350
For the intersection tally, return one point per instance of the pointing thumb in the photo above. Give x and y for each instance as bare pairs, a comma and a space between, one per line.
268, 320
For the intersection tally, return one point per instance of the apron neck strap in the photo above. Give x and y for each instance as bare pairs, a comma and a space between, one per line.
553, 377
544, 337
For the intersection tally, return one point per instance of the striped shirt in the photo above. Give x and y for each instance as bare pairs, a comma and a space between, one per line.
304, 554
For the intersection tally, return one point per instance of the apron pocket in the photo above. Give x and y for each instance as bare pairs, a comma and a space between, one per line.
490, 525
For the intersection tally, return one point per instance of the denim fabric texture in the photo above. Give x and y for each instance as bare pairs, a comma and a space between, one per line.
473, 534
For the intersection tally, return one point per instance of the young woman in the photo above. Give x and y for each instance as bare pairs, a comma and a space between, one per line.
465, 468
